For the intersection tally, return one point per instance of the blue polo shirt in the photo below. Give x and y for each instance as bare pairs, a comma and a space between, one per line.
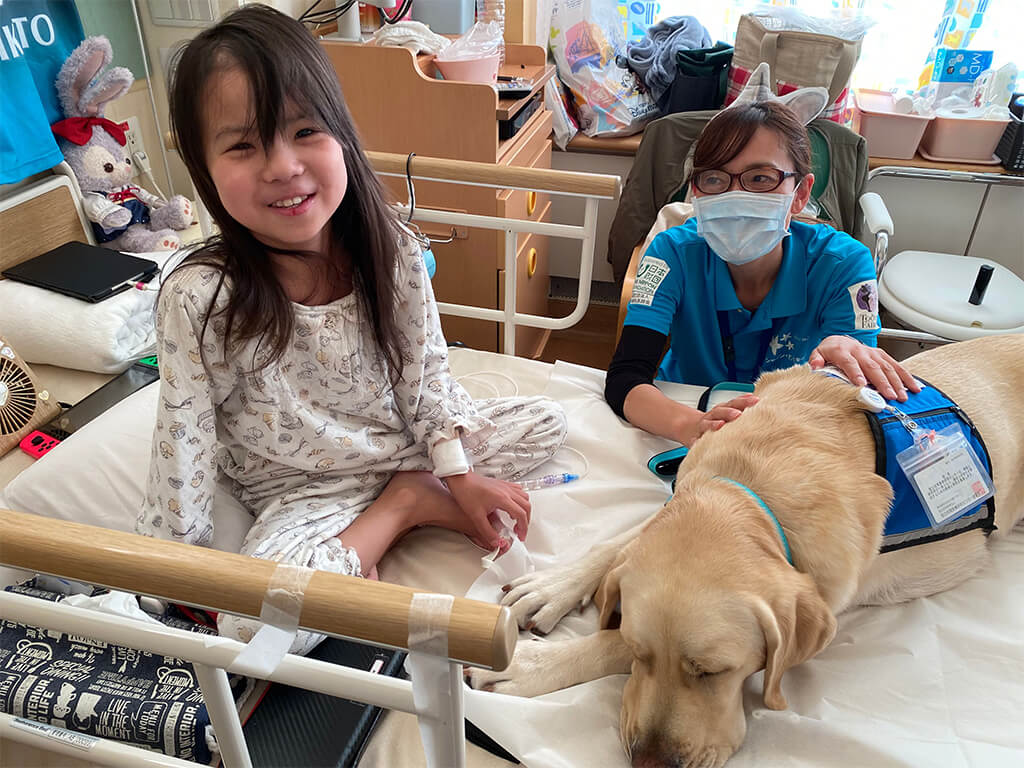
826, 285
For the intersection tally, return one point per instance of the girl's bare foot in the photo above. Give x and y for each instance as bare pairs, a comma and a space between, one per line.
428, 502
409, 500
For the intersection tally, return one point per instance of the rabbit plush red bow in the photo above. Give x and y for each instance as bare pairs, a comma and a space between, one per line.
78, 130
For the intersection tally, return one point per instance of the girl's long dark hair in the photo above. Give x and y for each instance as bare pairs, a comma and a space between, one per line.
284, 64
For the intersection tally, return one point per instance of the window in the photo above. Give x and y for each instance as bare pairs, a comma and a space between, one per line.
895, 49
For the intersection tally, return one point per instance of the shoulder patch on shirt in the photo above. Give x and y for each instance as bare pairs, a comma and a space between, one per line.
864, 298
649, 275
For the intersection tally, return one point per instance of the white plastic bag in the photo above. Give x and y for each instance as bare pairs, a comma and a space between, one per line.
482, 39
562, 125
492, 12
780, 19
586, 35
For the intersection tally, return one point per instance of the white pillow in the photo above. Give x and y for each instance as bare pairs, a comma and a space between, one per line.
98, 475
105, 337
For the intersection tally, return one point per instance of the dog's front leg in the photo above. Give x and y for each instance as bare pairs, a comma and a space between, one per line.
542, 666
540, 599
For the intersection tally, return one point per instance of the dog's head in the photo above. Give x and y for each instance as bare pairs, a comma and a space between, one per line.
704, 605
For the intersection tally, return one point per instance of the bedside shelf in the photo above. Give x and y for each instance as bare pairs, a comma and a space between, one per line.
398, 106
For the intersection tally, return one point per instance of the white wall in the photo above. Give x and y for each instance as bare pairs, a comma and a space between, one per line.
159, 41
136, 103
564, 254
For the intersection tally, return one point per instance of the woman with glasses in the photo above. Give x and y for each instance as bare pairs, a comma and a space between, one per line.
741, 288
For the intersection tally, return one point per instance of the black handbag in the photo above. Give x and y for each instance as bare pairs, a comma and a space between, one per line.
702, 79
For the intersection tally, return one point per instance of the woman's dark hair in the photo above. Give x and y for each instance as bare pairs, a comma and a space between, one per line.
284, 64
728, 132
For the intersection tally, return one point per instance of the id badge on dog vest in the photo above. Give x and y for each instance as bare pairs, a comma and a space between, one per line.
945, 473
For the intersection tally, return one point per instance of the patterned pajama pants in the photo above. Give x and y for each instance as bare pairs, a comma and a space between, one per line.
302, 527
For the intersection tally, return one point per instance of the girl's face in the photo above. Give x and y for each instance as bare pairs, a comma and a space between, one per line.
767, 150
285, 196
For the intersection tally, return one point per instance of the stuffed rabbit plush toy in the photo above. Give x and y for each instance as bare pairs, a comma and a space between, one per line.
125, 216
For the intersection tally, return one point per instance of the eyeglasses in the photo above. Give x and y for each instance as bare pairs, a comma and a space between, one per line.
752, 180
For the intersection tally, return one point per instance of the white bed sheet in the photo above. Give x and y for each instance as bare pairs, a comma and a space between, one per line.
935, 682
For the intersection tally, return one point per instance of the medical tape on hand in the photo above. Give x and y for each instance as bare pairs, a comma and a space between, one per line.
427, 663
279, 614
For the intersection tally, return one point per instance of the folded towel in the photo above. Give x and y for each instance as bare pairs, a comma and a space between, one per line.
414, 35
46, 327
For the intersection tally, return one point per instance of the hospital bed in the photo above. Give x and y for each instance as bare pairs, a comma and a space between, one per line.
463, 631
936, 682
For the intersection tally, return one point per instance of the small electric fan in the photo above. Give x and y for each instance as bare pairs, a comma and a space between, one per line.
24, 405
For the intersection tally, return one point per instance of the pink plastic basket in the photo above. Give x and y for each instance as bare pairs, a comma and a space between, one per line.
963, 139
480, 70
888, 133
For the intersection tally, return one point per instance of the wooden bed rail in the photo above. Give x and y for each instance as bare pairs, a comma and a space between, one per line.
541, 179
478, 633
468, 172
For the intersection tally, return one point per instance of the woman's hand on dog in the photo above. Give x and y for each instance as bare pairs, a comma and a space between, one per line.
717, 417
865, 365
479, 496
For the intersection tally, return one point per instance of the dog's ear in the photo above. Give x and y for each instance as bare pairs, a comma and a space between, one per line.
797, 624
607, 596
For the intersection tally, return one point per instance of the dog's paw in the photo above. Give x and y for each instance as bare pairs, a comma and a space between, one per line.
533, 671
540, 599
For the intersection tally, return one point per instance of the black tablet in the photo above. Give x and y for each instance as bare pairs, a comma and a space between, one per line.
86, 272
114, 391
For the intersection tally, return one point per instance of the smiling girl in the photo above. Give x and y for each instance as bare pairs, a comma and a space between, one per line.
301, 354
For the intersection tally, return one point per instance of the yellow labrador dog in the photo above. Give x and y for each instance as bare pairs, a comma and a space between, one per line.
706, 593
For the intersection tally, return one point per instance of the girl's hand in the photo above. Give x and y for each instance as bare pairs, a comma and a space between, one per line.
717, 417
865, 365
479, 496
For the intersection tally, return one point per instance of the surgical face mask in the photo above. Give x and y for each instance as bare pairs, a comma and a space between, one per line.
742, 226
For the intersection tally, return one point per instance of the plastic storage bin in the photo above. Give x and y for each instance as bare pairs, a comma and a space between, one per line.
888, 133
483, 69
962, 139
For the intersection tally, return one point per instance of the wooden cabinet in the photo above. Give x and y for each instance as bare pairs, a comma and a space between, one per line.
399, 107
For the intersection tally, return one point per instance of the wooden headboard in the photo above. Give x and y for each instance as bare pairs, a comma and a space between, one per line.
39, 217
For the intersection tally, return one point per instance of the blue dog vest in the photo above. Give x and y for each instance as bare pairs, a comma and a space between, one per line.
907, 523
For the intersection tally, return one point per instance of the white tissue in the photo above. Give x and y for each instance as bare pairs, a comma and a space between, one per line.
993, 112
517, 561
506, 531
114, 603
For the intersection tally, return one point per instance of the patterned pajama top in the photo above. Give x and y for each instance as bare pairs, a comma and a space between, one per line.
319, 419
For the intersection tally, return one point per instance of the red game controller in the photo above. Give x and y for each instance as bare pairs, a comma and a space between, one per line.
36, 443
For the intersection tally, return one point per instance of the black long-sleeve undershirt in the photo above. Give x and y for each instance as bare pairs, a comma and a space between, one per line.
635, 362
